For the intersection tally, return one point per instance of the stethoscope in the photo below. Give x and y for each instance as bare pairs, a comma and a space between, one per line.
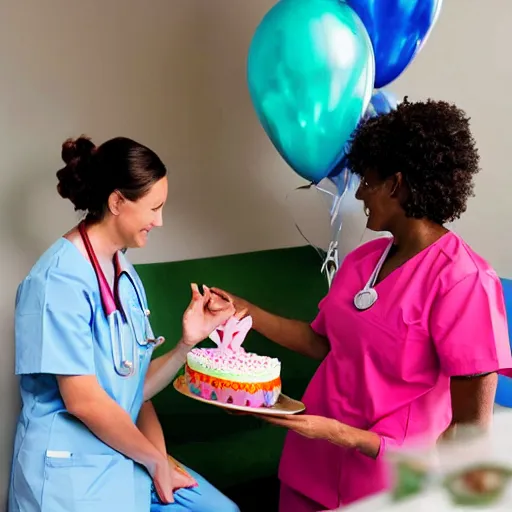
118, 320
367, 297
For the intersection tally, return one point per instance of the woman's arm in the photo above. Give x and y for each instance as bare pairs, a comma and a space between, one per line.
85, 399
292, 334
472, 402
364, 441
473, 399
340, 434
149, 424
163, 369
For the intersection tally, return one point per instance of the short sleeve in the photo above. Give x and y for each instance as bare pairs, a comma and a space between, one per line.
53, 325
469, 326
318, 324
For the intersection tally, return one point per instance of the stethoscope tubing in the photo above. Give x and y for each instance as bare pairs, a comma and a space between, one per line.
115, 314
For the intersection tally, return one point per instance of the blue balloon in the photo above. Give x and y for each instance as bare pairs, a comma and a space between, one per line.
345, 180
504, 390
310, 73
382, 102
398, 29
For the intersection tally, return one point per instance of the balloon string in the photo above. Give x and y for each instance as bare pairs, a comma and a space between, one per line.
330, 258
331, 262
319, 251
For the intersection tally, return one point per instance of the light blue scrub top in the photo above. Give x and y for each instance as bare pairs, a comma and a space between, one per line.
61, 329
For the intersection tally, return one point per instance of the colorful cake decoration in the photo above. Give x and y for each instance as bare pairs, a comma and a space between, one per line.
231, 335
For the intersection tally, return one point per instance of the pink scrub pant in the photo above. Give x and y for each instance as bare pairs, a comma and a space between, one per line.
292, 501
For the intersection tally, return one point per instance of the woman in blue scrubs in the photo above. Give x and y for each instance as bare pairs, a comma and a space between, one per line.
88, 437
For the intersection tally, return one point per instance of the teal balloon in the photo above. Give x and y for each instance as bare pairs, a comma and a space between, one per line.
310, 73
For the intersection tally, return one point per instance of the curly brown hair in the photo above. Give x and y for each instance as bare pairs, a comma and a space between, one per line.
431, 144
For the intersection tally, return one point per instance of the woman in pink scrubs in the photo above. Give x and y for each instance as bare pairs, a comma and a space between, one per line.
410, 322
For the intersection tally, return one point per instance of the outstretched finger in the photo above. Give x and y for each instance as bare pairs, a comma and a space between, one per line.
196, 300
206, 295
196, 294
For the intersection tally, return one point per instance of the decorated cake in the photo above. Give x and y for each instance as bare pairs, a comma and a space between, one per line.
229, 374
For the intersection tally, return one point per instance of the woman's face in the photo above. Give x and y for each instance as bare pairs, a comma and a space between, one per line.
378, 202
135, 219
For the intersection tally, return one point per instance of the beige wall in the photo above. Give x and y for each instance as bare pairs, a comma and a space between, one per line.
171, 73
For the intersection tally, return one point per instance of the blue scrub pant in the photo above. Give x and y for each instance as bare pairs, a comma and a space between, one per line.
203, 498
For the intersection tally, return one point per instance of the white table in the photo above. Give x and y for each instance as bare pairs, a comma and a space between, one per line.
437, 501
497, 449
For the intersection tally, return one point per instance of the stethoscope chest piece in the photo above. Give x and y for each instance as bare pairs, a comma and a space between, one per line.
365, 299
128, 365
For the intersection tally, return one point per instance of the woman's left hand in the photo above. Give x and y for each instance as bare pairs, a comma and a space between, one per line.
199, 320
319, 427
181, 478
313, 427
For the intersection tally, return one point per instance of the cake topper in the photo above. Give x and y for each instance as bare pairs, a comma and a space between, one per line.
231, 335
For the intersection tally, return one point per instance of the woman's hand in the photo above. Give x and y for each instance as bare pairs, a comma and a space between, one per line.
319, 427
180, 478
219, 296
199, 320
163, 479
168, 477
315, 427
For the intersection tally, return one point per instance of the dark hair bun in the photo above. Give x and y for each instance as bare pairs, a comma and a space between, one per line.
77, 148
76, 181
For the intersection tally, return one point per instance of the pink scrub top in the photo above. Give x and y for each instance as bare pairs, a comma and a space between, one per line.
441, 314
